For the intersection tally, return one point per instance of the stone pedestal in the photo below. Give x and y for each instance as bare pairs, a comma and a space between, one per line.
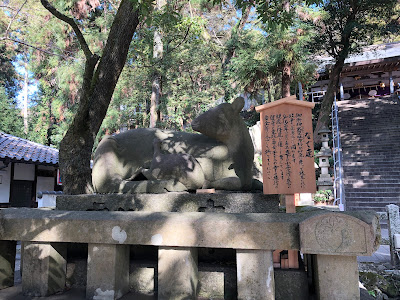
44, 268
177, 273
394, 229
107, 271
255, 275
7, 263
324, 181
336, 277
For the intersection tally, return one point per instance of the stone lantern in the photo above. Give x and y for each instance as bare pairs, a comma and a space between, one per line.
324, 181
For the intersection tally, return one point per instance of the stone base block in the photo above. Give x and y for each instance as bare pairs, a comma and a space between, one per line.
255, 275
143, 278
336, 277
173, 202
7, 263
177, 273
44, 268
108, 271
291, 285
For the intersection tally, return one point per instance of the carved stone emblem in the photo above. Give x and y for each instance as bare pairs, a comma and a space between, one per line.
333, 234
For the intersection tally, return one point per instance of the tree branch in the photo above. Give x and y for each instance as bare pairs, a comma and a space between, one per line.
34, 47
74, 26
12, 20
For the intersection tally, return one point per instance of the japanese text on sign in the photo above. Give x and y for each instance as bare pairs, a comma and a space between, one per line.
287, 143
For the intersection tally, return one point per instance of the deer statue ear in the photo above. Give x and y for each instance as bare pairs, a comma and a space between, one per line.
238, 104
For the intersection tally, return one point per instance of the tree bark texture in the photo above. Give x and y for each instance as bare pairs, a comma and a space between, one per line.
97, 89
156, 83
286, 78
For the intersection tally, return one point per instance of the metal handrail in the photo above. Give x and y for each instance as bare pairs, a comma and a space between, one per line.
338, 186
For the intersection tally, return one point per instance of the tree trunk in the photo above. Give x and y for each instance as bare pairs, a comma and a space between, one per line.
97, 89
156, 82
155, 100
286, 79
327, 101
26, 99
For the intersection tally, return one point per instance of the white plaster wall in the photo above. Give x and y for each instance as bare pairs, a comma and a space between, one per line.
24, 172
5, 175
44, 184
47, 201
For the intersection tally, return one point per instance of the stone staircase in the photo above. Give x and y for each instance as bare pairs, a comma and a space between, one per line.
370, 137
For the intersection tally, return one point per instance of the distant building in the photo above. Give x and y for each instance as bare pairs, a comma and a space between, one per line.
26, 168
373, 72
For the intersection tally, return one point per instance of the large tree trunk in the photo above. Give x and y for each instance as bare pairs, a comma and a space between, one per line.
340, 57
327, 101
97, 89
156, 83
287, 67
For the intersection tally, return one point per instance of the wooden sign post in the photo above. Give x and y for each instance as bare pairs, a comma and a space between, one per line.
287, 152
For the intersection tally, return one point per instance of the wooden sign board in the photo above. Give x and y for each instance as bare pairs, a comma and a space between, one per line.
287, 146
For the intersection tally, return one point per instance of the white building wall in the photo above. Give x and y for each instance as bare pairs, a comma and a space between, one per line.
47, 201
5, 180
24, 172
44, 184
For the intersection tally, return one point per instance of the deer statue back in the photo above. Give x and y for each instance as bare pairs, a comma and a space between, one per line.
223, 149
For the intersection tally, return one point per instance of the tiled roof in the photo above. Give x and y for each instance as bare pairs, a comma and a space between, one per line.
16, 148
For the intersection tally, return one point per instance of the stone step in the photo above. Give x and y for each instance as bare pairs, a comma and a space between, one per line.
374, 201
374, 195
350, 180
369, 203
364, 165
361, 184
383, 157
374, 190
372, 175
371, 163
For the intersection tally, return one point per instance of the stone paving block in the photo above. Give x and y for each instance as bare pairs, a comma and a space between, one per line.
44, 268
7, 263
108, 271
255, 275
177, 273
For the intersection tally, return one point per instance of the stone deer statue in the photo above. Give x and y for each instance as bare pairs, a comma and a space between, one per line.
223, 150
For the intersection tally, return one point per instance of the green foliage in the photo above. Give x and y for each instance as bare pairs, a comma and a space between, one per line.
10, 116
276, 14
362, 21
8, 75
323, 196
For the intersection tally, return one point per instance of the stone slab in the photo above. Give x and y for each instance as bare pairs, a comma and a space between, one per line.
339, 234
211, 230
255, 275
7, 263
108, 271
172, 202
44, 268
177, 273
